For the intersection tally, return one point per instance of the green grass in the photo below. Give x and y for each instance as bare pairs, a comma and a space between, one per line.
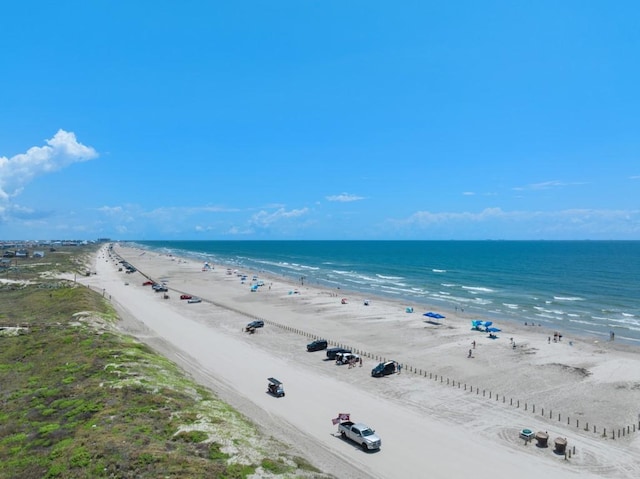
80, 400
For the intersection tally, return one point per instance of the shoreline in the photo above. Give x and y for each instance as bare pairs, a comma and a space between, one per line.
446, 306
581, 381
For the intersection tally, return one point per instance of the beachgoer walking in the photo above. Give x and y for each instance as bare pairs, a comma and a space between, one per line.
469, 354
474, 344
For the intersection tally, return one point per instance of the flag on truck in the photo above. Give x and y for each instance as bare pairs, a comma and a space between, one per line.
341, 417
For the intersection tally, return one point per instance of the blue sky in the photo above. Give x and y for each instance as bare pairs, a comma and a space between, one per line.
320, 120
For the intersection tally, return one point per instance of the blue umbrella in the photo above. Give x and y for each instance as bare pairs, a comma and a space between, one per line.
430, 314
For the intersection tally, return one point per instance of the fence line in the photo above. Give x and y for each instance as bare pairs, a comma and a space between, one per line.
613, 433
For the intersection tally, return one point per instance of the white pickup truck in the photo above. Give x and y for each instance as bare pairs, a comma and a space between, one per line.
361, 434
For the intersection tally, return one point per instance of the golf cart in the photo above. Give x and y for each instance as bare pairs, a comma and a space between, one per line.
275, 387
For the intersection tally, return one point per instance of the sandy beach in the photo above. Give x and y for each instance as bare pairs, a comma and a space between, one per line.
448, 414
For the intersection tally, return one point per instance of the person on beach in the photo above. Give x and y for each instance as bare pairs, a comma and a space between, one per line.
469, 354
360, 361
474, 344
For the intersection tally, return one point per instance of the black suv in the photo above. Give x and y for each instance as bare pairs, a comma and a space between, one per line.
384, 369
256, 324
331, 353
317, 345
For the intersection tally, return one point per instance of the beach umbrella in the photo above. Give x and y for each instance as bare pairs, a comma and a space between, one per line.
429, 314
438, 316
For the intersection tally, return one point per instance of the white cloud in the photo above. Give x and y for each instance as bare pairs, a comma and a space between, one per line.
573, 223
264, 218
546, 185
344, 198
468, 193
62, 150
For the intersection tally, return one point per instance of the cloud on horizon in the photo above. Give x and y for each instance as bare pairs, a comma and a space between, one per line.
576, 221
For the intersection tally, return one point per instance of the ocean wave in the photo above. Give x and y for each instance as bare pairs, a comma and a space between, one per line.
481, 301
625, 322
541, 309
511, 306
478, 289
358, 278
310, 268
341, 272
450, 299
394, 278
439, 270
568, 298
419, 290
392, 290
583, 321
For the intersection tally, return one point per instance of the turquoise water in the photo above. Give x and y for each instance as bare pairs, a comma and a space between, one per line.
584, 287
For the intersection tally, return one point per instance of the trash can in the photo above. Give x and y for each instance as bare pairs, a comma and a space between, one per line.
561, 445
542, 438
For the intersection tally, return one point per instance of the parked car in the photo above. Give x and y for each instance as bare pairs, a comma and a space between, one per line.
194, 300
317, 345
347, 358
146, 283
384, 369
332, 352
186, 296
256, 324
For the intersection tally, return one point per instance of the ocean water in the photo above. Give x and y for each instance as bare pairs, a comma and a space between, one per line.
587, 288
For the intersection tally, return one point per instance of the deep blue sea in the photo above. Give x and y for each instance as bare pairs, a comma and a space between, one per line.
588, 288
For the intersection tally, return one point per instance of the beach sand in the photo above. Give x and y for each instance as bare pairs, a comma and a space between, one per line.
446, 414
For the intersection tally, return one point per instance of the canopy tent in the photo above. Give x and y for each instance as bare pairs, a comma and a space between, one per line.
433, 315
485, 326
